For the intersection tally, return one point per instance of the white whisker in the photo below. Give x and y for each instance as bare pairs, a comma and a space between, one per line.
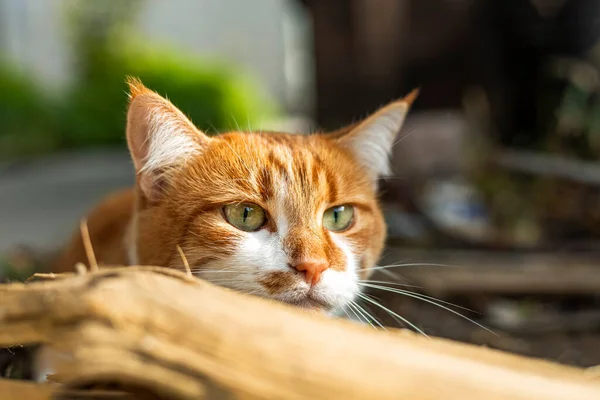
224, 280
389, 283
371, 317
211, 126
391, 274
393, 314
239, 157
429, 300
408, 292
346, 312
357, 315
409, 265
235, 122
214, 271
403, 137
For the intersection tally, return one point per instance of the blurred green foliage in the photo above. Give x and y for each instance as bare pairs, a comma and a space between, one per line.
214, 97
92, 113
25, 115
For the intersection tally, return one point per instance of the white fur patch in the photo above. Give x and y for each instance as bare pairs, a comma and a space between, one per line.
169, 144
258, 254
281, 219
263, 248
340, 287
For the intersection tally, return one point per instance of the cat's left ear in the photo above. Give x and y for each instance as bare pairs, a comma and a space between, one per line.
371, 140
160, 139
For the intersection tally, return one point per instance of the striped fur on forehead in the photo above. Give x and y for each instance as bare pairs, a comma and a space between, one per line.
249, 167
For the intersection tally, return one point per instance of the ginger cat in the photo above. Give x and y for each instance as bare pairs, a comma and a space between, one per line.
293, 218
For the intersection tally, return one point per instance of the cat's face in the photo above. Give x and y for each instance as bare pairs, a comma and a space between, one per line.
288, 217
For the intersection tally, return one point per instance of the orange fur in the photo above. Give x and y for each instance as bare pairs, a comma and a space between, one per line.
184, 179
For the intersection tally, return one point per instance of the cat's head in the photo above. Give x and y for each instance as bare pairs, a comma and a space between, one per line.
288, 217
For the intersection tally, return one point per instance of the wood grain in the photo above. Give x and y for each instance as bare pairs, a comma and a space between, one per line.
178, 337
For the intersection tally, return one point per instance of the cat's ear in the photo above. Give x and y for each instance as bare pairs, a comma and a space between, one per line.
371, 140
160, 138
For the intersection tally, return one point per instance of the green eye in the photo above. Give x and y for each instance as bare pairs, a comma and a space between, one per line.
338, 218
245, 216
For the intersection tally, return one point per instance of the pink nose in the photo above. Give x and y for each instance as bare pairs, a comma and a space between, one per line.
312, 270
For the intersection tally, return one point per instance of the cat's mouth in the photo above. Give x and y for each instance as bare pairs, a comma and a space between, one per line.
310, 302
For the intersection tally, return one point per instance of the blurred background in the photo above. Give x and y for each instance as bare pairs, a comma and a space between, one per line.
494, 203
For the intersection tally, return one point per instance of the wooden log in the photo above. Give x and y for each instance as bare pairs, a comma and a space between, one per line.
182, 338
19, 390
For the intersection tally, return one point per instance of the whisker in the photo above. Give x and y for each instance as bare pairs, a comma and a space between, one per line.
368, 318
359, 308
193, 270
223, 280
248, 122
235, 285
427, 299
253, 292
214, 271
366, 307
411, 294
383, 271
354, 312
404, 137
391, 274
388, 283
346, 312
393, 314
214, 128
409, 265
238, 156
385, 254
235, 122
357, 314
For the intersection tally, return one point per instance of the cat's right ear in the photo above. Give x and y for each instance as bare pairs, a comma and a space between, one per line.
370, 141
160, 139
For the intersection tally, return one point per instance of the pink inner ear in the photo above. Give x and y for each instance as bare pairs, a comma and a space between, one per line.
139, 146
138, 139
153, 186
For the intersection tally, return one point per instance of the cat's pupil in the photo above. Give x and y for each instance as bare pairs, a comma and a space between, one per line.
246, 212
336, 213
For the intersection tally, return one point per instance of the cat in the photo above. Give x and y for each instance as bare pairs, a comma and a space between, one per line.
289, 217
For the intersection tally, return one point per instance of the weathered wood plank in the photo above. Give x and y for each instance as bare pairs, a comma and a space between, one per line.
184, 338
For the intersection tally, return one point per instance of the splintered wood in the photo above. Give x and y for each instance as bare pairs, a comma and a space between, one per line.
158, 333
